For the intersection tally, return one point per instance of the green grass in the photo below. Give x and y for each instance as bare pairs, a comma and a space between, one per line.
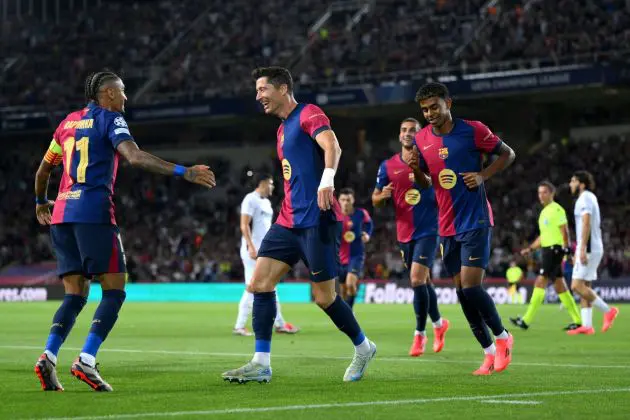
176, 353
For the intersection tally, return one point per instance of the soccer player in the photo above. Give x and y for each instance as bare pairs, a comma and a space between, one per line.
256, 216
416, 231
554, 244
307, 228
85, 237
589, 253
449, 156
357, 230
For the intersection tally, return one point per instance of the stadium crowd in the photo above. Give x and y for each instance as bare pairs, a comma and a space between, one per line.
173, 231
215, 58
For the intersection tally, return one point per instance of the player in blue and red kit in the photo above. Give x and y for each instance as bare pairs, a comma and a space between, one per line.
308, 227
416, 230
357, 230
85, 238
449, 156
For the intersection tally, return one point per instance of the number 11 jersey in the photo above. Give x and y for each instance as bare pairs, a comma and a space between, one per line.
86, 141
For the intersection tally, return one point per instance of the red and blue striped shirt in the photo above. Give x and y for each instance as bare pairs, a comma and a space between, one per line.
445, 158
85, 141
354, 225
302, 167
416, 210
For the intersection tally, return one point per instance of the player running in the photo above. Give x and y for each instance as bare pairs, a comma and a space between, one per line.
416, 230
449, 157
307, 228
256, 216
85, 237
554, 244
357, 230
589, 253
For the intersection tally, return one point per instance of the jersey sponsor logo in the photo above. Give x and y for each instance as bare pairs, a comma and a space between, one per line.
80, 124
349, 236
286, 169
447, 178
412, 197
70, 195
443, 152
120, 122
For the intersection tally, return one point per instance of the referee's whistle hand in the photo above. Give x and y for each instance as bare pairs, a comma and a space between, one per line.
201, 175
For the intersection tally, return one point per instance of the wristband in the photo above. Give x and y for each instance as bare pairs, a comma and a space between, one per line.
328, 179
179, 170
42, 201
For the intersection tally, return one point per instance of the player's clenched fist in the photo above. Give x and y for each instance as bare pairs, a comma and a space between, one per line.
414, 159
200, 174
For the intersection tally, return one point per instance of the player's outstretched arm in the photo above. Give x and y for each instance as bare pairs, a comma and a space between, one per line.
198, 174
42, 209
332, 153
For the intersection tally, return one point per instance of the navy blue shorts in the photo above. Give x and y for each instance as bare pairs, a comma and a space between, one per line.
355, 266
317, 246
421, 251
471, 249
88, 249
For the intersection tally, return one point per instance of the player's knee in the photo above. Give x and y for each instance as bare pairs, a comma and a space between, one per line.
324, 297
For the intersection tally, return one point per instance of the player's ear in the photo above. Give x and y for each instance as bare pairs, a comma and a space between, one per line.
449, 103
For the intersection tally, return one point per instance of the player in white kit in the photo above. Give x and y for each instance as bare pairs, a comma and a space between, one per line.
588, 253
256, 219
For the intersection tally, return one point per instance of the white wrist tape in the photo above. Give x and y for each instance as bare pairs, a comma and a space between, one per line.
328, 179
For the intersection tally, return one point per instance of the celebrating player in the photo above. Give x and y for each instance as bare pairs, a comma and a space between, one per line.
256, 216
449, 156
589, 253
554, 244
85, 237
357, 230
416, 229
307, 228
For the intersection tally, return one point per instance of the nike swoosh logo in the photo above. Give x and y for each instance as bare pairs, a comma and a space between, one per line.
473, 259
397, 172
427, 147
316, 273
422, 257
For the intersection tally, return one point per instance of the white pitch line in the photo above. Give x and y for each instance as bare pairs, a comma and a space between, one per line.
306, 356
517, 402
342, 405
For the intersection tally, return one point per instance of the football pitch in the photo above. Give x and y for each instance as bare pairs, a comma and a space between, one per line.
165, 360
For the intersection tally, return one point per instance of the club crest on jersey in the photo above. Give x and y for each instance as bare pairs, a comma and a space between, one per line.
349, 236
443, 152
286, 169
